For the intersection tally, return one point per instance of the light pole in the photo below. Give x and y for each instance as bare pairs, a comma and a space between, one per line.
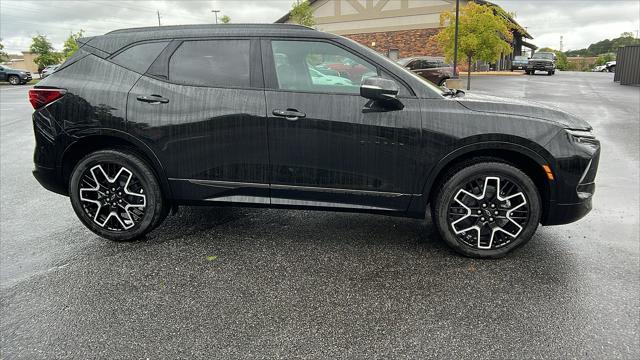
455, 43
216, 12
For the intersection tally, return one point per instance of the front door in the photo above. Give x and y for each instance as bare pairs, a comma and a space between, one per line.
327, 147
205, 118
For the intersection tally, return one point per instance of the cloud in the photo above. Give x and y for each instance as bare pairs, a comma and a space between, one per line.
580, 22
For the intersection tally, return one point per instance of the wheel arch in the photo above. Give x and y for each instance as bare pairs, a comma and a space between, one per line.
109, 139
526, 159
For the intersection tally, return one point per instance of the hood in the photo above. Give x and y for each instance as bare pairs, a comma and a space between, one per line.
524, 108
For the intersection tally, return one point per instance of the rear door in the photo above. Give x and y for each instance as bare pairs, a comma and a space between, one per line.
328, 147
201, 108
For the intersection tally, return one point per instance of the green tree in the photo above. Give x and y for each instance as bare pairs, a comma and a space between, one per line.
604, 58
482, 35
301, 13
71, 44
225, 19
3, 55
45, 54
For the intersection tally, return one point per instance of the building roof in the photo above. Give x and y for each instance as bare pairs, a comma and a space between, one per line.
498, 9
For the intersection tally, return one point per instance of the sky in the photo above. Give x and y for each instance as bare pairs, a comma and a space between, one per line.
579, 22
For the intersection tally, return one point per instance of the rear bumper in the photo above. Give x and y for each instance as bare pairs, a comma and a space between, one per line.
47, 177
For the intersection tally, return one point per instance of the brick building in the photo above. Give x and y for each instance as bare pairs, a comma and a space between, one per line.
396, 28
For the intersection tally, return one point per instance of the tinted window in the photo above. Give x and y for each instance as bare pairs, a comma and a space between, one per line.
301, 65
215, 63
139, 57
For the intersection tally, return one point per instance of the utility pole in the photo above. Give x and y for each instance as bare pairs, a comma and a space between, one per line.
561, 43
158, 18
216, 12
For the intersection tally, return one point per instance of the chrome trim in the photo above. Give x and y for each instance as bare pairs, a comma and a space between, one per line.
224, 184
280, 201
241, 199
337, 190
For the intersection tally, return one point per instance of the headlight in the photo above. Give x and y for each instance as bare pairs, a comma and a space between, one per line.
581, 136
23, 73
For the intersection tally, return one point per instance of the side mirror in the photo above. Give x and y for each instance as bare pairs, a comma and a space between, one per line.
377, 88
382, 93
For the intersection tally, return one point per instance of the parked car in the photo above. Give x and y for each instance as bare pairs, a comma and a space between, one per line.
542, 61
600, 68
349, 69
143, 120
611, 66
14, 76
318, 78
48, 70
430, 68
519, 63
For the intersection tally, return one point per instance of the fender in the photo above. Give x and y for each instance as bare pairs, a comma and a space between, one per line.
83, 135
539, 155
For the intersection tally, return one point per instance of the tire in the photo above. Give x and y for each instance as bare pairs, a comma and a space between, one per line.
612, 69
135, 185
443, 82
456, 206
14, 80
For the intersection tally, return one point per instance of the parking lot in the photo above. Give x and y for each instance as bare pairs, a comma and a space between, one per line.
255, 283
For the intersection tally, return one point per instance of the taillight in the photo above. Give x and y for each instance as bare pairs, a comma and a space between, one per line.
42, 97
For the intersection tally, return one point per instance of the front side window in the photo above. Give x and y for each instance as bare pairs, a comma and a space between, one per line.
214, 63
139, 57
319, 67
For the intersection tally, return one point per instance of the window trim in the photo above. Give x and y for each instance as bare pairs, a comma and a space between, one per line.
270, 75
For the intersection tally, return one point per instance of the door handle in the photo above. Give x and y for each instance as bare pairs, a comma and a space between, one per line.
153, 99
289, 114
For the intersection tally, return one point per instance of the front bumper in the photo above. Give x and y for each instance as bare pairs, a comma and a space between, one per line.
26, 77
559, 214
541, 67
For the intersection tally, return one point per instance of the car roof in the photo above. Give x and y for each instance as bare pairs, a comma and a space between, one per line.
115, 40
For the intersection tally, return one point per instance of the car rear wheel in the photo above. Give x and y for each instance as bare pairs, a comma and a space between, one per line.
116, 195
486, 209
14, 80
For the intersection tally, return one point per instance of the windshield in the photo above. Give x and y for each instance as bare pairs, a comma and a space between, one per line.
548, 56
395, 65
520, 58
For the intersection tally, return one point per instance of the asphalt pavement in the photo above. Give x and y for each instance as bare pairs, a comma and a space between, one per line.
253, 283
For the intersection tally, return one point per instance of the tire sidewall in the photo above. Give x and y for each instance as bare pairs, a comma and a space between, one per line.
139, 170
460, 178
12, 81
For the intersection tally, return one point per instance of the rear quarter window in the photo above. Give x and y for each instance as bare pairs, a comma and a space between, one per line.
214, 63
139, 57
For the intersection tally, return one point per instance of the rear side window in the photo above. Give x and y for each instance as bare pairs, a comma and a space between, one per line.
139, 57
215, 63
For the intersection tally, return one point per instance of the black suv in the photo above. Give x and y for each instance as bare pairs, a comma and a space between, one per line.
139, 121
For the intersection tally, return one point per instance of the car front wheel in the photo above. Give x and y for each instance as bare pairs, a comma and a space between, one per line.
14, 80
487, 209
116, 195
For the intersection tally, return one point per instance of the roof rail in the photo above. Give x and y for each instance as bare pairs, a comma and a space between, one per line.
207, 26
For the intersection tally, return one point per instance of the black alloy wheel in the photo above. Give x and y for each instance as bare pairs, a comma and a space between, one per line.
116, 195
487, 209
